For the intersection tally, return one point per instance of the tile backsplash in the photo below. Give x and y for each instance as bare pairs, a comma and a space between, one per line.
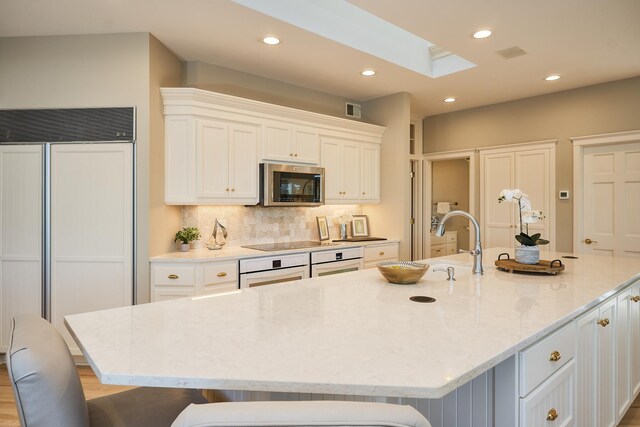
248, 225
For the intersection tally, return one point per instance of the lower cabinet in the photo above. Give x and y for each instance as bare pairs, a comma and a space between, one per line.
444, 245
553, 402
596, 367
373, 254
177, 280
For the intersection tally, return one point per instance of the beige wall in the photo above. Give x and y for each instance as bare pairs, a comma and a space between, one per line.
391, 217
603, 108
450, 183
231, 82
87, 71
165, 70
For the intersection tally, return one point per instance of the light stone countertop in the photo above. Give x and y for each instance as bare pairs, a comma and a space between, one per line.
352, 333
238, 252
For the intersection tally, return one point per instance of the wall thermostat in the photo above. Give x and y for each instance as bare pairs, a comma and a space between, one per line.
563, 195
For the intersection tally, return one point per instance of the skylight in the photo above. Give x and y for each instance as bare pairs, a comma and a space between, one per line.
342, 22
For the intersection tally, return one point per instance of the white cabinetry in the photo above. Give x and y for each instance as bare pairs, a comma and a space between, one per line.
596, 374
628, 349
215, 164
352, 170
444, 245
214, 142
373, 254
634, 341
529, 167
285, 142
175, 280
20, 234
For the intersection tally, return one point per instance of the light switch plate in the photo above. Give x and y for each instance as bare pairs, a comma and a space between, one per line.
563, 194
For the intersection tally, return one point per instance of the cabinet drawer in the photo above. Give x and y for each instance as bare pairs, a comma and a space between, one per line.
438, 240
451, 237
438, 250
220, 273
542, 359
173, 275
555, 398
452, 248
219, 288
167, 293
381, 252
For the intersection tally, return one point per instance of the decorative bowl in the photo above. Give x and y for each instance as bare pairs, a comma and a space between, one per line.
402, 272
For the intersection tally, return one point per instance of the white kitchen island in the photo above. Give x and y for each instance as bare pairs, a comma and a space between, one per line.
357, 335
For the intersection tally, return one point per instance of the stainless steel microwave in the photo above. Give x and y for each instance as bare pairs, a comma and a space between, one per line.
291, 185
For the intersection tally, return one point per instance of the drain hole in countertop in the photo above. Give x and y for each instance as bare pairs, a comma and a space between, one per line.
422, 298
569, 256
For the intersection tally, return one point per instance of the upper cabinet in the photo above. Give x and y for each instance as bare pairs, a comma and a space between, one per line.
214, 143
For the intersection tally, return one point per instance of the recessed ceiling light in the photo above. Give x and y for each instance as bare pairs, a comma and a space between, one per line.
449, 100
481, 34
368, 73
552, 77
271, 40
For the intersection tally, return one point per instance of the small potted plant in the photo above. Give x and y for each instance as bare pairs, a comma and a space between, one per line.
186, 236
528, 252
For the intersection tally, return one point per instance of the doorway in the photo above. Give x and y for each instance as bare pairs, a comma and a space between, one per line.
607, 194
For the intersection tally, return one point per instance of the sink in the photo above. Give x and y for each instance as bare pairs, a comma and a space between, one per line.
461, 270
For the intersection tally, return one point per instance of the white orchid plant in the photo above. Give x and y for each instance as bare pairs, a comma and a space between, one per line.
343, 219
527, 216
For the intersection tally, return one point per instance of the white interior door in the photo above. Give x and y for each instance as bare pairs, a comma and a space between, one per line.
20, 234
91, 230
611, 200
497, 173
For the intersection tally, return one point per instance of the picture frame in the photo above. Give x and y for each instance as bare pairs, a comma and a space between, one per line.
323, 228
360, 226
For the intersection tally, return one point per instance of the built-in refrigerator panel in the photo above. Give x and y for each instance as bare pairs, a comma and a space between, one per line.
67, 205
21, 234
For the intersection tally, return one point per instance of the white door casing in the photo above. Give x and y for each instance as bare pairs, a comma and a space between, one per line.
20, 234
91, 230
607, 194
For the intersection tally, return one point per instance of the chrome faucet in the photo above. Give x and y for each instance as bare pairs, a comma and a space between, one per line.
477, 251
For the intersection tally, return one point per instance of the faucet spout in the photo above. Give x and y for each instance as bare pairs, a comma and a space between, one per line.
477, 250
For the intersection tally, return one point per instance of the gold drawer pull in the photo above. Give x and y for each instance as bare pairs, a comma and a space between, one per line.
173, 276
555, 356
635, 298
380, 253
552, 415
603, 322
222, 274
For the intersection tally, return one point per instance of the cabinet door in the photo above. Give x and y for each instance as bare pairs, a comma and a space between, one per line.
351, 171
243, 161
370, 173
306, 146
623, 372
91, 230
555, 395
330, 156
180, 160
586, 372
606, 399
497, 173
634, 339
277, 142
20, 235
212, 153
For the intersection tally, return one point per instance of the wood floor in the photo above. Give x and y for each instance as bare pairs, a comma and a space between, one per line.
93, 388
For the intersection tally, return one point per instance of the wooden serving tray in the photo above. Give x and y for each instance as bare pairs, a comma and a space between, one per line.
543, 266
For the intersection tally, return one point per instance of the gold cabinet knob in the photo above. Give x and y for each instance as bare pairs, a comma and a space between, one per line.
380, 253
635, 298
290, 154
295, 155
603, 322
555, 356
226, 189
173, 276
552, 415
589, 241
363, 193
222, 274
233, 189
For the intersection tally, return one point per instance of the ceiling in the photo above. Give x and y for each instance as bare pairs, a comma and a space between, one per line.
585, 41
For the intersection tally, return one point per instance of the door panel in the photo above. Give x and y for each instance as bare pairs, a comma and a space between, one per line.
91, 229
370, 181
212, 166
497, 174
330, 150
277, 143
306, 146
244, 162
20, 234
351, 171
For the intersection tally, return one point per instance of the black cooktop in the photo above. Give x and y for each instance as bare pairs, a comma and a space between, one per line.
271, 247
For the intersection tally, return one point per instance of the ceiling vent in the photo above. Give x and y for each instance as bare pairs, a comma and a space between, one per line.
512, 52
352, 110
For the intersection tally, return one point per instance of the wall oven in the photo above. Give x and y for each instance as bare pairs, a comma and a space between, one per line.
291, 185
336, 261
273, 269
